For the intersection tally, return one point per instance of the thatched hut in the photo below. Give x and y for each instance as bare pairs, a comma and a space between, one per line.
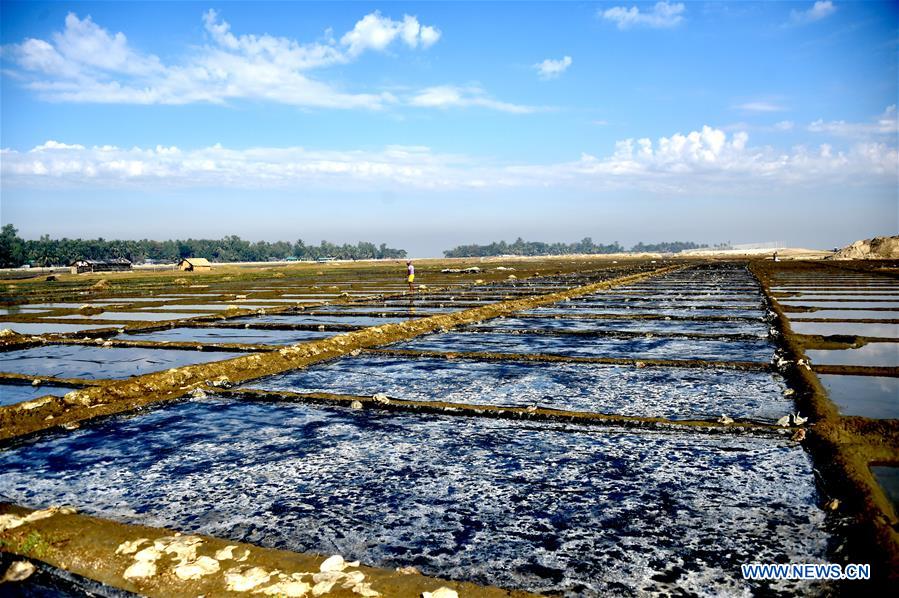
194, 264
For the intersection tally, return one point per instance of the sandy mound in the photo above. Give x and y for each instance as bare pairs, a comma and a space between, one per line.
870, 249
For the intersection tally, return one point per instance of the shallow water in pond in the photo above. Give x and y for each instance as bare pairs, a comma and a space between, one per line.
826, 293
49, 328
54, 305
851, 328
842, 304
673, 393
872, 354
75, 361
132, 299
868, 396
649, 348
16, 393
324, 319
847, 281
655, 292
614, 302
465, 498
448, 305
228, 335
20, 311
652, 326
841, 296
844, 314
391, 309
572, 308
888, 478
203, 306
291, 302
138, 316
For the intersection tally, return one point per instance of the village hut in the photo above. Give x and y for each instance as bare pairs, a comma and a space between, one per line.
110, 265
194, 264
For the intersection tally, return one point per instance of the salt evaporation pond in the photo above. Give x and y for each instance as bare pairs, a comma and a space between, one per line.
49, 327
872, 354
200, 306
578, 346
114, 300
316, 319
868, 396
845, 314
654, 326
836, 287
76, 361
228, 335
888, 478
19, 311
892, 305
851, 328
16, 393
464, 498
659, 303
139, 316
570, 308
52, 305
652, 294
835, 295
674, 393
408, 310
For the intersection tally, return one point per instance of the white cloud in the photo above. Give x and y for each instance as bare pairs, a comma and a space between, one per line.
86, 63
784, 125
85, 42
885, 124
376, 32
550, 69
663, 15
819, 10
760, 107
450, 96
55, 145
707, 161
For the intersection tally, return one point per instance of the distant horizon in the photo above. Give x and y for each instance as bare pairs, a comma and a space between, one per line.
429, 125
337, 239
426, 250
625, 248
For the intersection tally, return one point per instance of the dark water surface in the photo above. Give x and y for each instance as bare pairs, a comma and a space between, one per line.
75, 361
674, 393
576, 346
228, 335
16, 393
868, 396
539, 507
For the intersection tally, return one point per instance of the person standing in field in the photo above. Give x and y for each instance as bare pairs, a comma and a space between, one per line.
410, 275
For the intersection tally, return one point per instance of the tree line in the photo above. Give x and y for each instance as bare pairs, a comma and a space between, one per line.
584, 246
15, 251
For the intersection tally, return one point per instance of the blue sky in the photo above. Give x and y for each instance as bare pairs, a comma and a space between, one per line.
427, 125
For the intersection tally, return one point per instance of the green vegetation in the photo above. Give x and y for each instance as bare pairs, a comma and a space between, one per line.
34, 544
15, 251
585, 246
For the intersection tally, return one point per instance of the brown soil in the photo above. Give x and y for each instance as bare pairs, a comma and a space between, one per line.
868, 249
87, 546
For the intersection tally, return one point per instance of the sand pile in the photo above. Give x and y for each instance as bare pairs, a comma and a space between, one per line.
876, 248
